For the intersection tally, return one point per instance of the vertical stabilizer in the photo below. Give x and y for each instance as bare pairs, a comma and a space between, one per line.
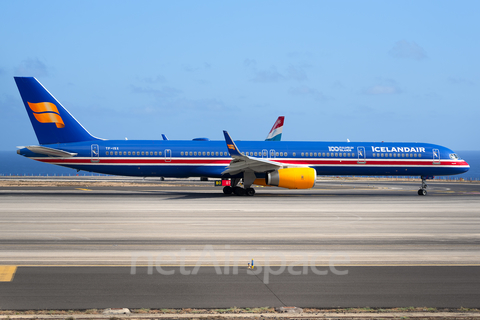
50, 120
276, 132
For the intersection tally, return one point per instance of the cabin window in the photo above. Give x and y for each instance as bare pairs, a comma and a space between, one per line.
195, 153
415, 155
116, 152
285, 154
419, 155
302, 154
216, 153
106, 153
156, 153
181, 153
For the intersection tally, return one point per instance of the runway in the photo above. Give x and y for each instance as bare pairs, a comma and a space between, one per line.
101, 287
400, 249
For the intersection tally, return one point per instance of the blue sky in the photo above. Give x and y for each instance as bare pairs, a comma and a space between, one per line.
358, 70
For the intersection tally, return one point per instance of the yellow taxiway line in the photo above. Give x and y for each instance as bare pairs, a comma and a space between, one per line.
7, 273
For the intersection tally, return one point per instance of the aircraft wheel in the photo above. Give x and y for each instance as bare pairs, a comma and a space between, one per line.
422, 192
250, 192
227, 190
238, 191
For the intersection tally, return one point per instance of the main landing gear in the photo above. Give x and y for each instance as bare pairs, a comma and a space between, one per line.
238, 191
423, 190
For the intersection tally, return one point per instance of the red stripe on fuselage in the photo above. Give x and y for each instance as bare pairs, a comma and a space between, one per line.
305, 162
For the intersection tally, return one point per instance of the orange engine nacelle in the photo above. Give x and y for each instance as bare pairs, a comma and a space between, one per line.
292, 178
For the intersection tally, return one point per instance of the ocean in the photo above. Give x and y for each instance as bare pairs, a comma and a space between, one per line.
12, 164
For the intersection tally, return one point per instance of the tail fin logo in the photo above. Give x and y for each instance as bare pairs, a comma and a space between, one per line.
47, 112
230, 146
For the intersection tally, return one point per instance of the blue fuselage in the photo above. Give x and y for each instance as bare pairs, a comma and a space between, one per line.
161, 158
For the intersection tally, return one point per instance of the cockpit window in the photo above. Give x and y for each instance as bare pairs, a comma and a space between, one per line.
453, 156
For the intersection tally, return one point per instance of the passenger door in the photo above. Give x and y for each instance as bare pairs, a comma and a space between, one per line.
95, 153
272, 154
361, 155
436, 156
168, 155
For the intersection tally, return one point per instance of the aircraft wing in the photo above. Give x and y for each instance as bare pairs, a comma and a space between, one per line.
49, 151
242, 163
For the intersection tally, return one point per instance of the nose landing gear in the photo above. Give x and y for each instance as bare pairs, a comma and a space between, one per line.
423, 190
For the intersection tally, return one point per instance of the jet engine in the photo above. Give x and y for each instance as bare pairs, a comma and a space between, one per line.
292, 178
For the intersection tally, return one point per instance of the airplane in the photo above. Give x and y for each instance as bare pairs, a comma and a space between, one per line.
275, 133
287, 164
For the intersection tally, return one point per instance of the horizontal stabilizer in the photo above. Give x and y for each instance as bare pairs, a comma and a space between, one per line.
49, 151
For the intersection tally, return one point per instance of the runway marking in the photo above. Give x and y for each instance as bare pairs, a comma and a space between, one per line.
7, 273
83, 189
139, 265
